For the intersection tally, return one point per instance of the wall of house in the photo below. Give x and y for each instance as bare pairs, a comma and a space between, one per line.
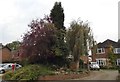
6, 55
100, 55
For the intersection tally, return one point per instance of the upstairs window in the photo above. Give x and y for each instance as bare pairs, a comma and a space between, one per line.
100, 50
117, 50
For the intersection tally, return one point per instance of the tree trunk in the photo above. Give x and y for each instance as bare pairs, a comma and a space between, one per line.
74, 66
77, 65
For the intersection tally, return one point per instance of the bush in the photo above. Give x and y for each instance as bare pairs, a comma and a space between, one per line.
30, 72
110, 68
103, 67
119, 70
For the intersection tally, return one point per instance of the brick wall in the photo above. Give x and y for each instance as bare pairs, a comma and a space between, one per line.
6, 55
102, 55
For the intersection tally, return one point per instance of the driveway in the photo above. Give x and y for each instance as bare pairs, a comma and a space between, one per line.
101, 75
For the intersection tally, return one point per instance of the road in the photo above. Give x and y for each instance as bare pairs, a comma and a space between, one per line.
101, 75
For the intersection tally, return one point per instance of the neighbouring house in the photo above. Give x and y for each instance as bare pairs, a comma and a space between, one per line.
101, 55
17, 55
5, 54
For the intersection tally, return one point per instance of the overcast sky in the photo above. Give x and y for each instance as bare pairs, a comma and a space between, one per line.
102, 15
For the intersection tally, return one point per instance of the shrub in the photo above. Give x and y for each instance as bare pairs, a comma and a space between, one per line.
119, 70
110, 68
30, 72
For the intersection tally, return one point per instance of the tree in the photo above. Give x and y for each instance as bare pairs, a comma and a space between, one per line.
111, 56
38, 43
79, 40
14, 45
57, 17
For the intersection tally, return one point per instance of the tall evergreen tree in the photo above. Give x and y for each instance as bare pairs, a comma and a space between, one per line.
57, 17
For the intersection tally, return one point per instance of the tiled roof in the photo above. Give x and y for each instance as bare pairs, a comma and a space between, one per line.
108, 43
2, 47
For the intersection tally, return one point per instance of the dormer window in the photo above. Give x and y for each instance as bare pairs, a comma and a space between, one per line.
117, 50
100, 50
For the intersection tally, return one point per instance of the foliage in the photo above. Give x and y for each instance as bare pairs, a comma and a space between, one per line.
14, 45
79, 39
61, 46
24, 62
112, 56
119, 70
30, 72
118, 77
39, 42
57, 15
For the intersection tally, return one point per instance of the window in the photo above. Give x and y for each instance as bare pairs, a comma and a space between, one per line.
118, 62
117, 50
101, 62
100, 50
16, 65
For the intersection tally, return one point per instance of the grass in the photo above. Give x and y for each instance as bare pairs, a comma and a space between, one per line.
30, 72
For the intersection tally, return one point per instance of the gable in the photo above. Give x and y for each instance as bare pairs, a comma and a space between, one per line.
5, 47
108, 43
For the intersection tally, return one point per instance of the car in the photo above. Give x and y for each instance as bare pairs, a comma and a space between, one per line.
94, 66
1, 65
2, 70
8, 66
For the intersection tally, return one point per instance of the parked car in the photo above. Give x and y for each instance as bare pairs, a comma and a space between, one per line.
2, 70
1, 65
94, 66
8, 66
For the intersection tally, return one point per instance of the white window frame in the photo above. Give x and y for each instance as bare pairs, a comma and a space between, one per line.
116, 51
102, 50
101, 61
118, 62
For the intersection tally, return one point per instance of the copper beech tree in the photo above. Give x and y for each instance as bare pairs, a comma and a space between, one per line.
38, 43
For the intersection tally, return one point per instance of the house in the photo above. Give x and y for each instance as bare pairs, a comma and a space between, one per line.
5, 54
101, 56
85, 59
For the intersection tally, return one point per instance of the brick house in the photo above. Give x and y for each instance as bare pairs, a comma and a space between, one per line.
17, 55
101, 56
5, 54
